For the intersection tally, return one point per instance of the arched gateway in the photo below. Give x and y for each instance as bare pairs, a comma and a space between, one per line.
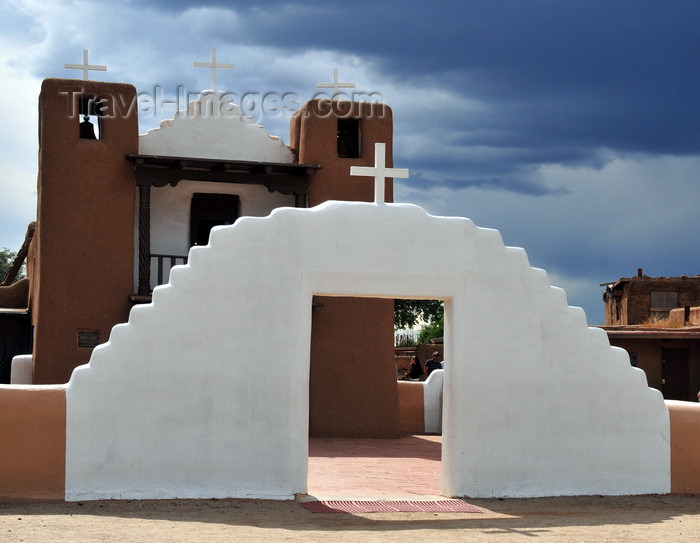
204, 392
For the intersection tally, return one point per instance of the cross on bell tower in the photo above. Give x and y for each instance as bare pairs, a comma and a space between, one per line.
213, 65
335, 84
85, 66
380, 172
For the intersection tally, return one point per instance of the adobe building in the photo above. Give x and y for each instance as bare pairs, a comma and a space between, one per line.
634, 300
653, 320
117, 210
206, 391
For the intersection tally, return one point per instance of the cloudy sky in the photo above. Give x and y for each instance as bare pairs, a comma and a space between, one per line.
572, 127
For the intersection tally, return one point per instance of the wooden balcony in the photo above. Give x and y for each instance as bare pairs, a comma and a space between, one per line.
163, 264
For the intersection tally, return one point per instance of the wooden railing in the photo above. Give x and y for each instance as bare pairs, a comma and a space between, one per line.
166, 260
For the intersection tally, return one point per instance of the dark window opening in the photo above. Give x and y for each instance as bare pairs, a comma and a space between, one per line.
662, 303
90, 125
208, 211
349, 138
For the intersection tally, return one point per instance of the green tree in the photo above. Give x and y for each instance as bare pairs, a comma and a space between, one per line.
7, 257
408, 313
432, 330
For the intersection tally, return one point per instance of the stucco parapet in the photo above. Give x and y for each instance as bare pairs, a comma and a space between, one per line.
322, 108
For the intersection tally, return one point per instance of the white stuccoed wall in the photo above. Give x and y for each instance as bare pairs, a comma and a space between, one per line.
204, 392
432, 401
170, 214
212, 128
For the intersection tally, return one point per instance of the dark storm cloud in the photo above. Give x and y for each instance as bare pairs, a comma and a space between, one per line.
572, 127
622, 75
517, 185
558, 81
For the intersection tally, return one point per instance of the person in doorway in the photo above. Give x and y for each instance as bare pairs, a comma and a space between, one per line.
432, 363
415, 370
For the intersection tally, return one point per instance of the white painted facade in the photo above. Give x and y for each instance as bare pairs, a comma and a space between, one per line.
205, 391
170, 214
212, 128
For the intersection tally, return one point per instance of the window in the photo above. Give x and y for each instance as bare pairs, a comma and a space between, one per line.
90, 125
208, 211
349, 138
662, 303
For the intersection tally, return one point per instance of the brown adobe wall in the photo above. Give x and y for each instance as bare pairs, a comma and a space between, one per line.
15, 295
412, 407
83, 254
33, 451
353, 390
693, 318
685, 447
648, 356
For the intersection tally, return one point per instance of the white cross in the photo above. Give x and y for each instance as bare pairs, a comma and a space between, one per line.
380, 172
85, 66
214, 66
335, 85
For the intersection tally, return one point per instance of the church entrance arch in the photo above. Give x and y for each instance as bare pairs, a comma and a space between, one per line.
553, 409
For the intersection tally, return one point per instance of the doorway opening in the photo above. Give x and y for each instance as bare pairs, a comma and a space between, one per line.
208, 210
367, 435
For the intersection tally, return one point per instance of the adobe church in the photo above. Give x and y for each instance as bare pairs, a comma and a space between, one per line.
117, 210
280, 325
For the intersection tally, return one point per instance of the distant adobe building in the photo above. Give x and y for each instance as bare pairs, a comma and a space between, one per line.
635, 300
667, 351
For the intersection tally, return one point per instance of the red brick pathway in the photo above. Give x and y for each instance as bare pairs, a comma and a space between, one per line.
344, 468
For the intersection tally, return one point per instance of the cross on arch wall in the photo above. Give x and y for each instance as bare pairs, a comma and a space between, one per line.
535, 402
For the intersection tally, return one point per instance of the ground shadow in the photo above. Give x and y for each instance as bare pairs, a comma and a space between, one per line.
528, 517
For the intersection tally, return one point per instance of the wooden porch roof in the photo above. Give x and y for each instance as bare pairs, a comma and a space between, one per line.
154, 170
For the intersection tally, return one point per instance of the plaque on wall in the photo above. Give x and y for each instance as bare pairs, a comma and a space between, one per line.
88, 339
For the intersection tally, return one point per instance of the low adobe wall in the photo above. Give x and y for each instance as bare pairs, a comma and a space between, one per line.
685, 447
15, 295
411, 407
679, 315
33, 446
32, 454
420, 405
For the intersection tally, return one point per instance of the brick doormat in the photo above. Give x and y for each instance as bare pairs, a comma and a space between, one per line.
385, 506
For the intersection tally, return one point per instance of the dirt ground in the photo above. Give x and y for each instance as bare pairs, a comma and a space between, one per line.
581, 519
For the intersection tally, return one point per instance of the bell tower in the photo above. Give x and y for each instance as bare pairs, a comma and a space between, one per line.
339, 135
81, 262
